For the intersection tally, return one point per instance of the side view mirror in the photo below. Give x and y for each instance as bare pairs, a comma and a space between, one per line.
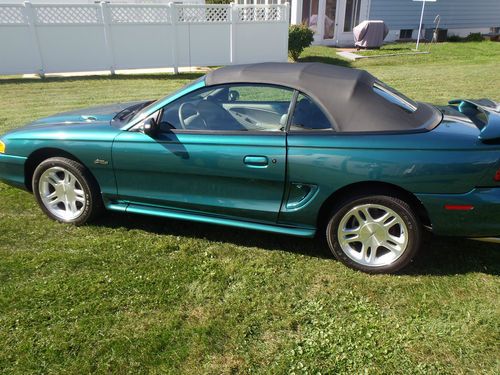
150, 127
234, 95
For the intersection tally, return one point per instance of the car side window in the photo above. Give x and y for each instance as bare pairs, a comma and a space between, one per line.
395, 97
238, 107
308, 116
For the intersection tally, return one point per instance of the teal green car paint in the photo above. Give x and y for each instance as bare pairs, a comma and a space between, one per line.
209, 219
103, 114
299, 195
85, 142
203, 172
448, 160
274, 181
12, 169
486, 203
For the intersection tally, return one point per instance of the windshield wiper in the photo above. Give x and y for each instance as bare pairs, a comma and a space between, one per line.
129, 112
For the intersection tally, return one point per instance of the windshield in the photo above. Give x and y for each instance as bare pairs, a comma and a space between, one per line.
145, 110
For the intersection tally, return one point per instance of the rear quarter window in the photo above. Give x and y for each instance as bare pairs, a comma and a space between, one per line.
395, 97
308, 116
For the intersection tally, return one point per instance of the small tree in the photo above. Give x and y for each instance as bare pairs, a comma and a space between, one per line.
299, 38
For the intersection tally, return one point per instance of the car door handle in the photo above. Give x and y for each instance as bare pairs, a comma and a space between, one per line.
256, 161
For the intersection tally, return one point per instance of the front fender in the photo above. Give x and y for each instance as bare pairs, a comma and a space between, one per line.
12, 170
87, 147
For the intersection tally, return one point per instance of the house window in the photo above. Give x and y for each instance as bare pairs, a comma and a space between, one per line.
351, 14
405, 33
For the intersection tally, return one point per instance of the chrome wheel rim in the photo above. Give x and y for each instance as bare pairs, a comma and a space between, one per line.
373, 235
61, 193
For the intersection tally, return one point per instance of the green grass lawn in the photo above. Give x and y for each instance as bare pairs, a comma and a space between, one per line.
131, 294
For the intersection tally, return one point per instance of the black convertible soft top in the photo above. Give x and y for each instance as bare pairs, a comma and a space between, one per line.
345, 94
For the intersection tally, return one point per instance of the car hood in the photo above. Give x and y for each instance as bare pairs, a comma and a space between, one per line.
91, 116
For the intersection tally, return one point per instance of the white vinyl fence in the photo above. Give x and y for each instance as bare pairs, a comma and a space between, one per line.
56, 38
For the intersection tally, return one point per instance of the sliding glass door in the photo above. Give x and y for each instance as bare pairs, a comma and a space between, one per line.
351, 19
310, 13
330, 19
333, 20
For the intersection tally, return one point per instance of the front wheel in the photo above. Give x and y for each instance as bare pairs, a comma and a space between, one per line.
65, 191
374, 234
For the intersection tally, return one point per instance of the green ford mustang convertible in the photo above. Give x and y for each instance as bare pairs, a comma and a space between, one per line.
297, 149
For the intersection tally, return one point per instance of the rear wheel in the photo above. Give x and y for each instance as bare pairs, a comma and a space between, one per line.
66, 191
375, 234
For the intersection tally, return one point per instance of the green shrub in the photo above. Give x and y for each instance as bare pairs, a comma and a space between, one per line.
299, 37
218, 1
454, 39
474, 37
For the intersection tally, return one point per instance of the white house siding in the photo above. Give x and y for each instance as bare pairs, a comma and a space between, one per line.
460, 17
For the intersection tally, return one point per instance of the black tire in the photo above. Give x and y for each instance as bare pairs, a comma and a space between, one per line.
92, 205
406, 214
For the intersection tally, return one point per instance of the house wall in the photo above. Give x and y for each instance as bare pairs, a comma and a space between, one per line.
459, 16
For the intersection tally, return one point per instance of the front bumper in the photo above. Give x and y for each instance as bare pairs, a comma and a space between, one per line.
481, 221
12, 170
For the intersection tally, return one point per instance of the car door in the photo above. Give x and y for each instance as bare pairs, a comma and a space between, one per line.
209, 157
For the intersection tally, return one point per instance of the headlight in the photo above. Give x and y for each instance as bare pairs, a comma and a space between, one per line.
2, 147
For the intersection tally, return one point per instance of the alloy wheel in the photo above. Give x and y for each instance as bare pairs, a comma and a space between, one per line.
61, 193
372, 235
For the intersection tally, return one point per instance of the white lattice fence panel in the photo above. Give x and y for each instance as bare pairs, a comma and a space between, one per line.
258, 13
203, 14
130, 14
187, 34
12, 15
67, 15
